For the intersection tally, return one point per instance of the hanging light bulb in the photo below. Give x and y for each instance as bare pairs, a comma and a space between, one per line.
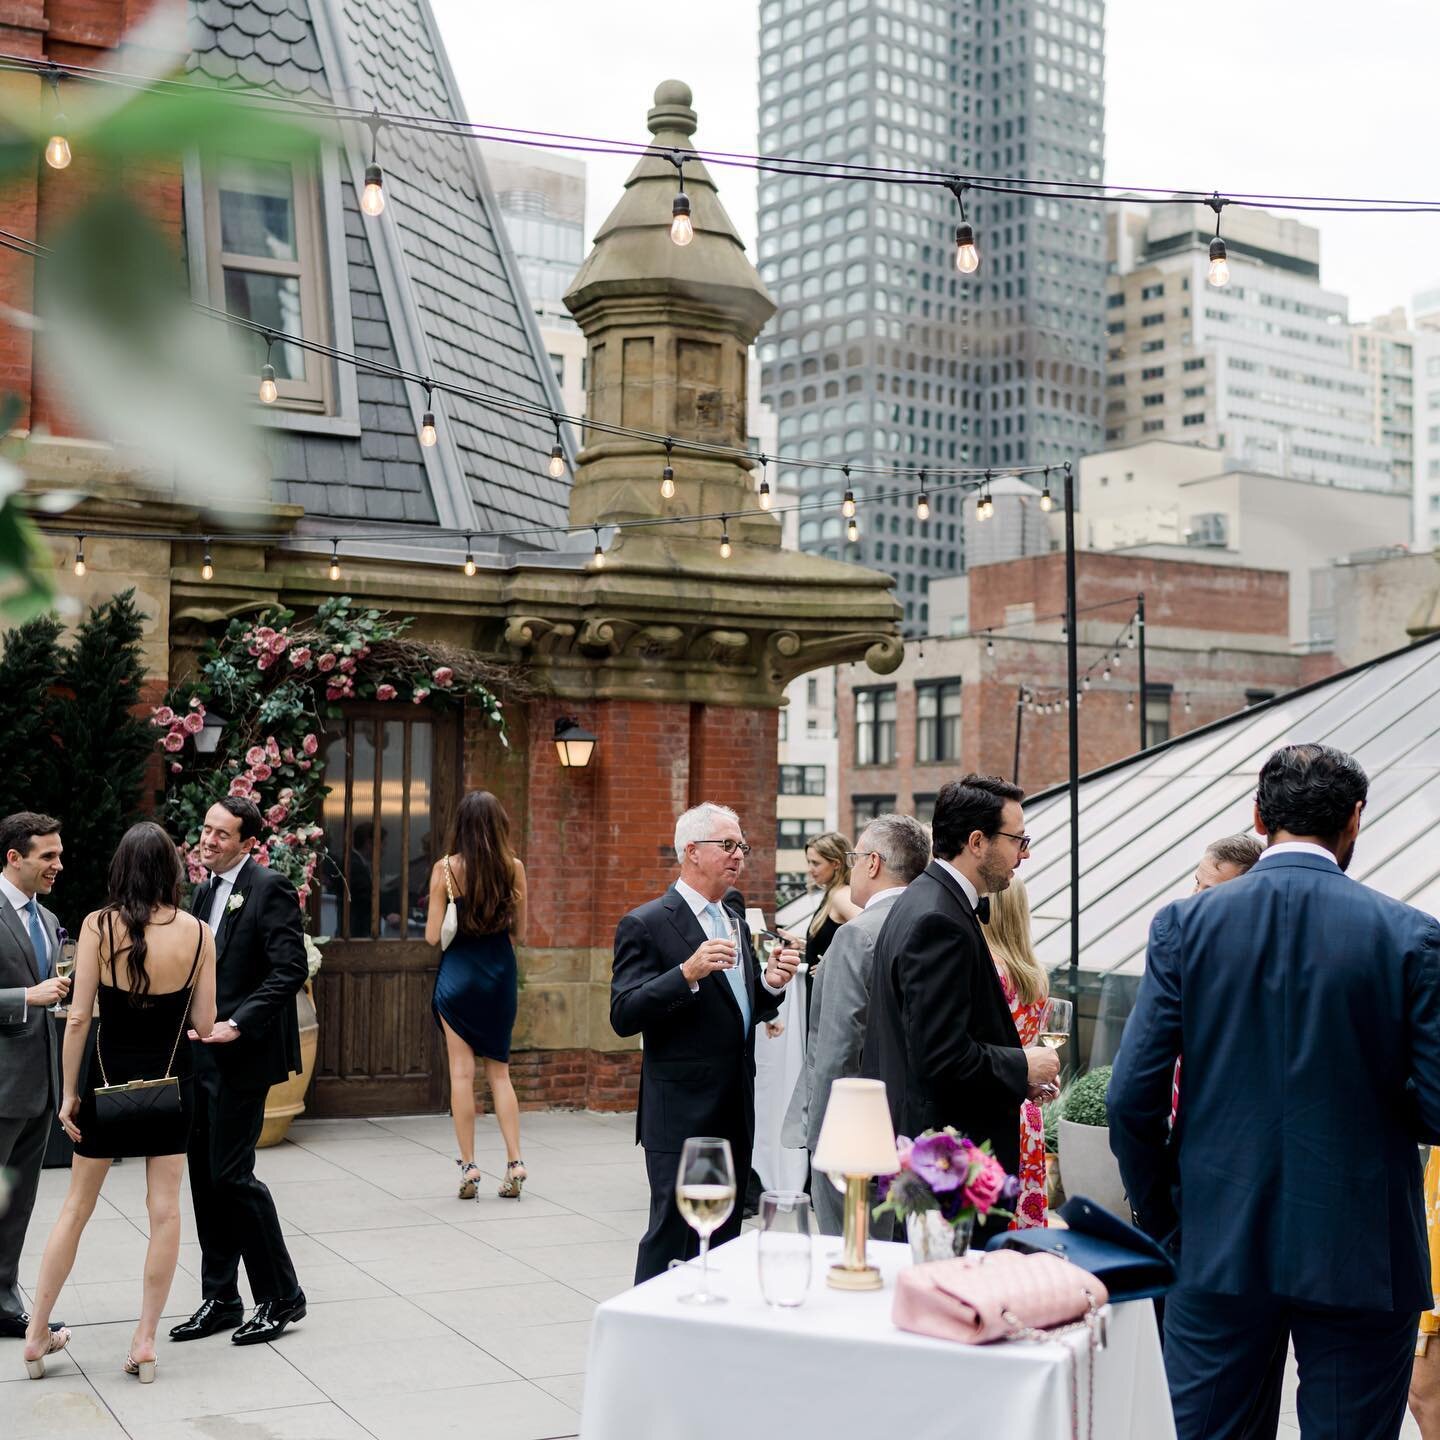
469, 566
852, 530
557, 453
967, 255
428, 435
599, 556
1219, 272
725, 547
57, 148
372, 197
847, 505
765, 498
1130, 640
1047, 502
984, 506
1187, 704
207, 567
1086, 682
334, 559
667, 475
989, 646
269, 391
1129, 704
922, 502
79, 555
682, 229
1115, 660
1105, 673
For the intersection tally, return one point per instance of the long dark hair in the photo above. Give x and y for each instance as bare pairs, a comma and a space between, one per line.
145, 874
482, 841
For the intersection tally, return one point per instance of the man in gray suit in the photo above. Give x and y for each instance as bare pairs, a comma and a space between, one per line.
891, 851
29, 1047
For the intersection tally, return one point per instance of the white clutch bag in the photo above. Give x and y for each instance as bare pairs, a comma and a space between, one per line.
450, 925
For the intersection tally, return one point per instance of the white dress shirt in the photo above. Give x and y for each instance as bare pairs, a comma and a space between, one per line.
21, 902
698, 905
889, 890
1300, 847
971, 893
224, 887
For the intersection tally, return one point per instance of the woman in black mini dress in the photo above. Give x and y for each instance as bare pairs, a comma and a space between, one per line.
152, 967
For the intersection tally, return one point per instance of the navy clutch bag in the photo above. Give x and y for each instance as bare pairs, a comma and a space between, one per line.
1131, 1264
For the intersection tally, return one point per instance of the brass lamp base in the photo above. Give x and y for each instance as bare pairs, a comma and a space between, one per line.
854, 1273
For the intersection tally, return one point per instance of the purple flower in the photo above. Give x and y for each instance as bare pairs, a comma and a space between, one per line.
952, 1203
61, 934
941, 1162
1009, 1192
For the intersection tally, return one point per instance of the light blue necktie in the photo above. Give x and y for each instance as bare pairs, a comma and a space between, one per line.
720, 930
37, 938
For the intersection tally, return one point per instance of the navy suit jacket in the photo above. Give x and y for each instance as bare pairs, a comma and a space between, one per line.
1307, 1008
697, 1069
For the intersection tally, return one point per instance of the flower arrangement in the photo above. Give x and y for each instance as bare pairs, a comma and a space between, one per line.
945, 1171
275, 679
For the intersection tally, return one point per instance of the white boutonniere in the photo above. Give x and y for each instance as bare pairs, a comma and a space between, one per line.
234, 903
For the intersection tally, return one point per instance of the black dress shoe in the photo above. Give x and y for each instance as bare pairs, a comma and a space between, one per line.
13, 1327
270, 1319
211, 1318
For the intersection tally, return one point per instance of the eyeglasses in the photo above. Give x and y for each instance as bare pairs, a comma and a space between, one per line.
851, 856
727, 845
1023, 841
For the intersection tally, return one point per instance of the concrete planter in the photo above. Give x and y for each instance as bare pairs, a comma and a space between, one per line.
1088, 1168
287, 1100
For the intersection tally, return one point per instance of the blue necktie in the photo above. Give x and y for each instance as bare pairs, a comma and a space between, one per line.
37, 938
720, 930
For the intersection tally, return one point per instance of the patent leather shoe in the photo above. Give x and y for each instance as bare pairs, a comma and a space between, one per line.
13, 1327
211, 1318
270, 1319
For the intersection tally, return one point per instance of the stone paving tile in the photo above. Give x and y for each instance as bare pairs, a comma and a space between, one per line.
516, 1410
321, 1421
63, 1404
542, 1350
568, 1389
478, 1313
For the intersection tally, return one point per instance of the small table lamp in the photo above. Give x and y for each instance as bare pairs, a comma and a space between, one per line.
856, 1141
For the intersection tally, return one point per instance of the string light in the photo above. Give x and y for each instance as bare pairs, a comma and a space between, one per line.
1130, 639
1219, 272
1129, 704
57, 147
852, 530
1047, 503
334, 559
1105, 673
469, 566
428, 435
682, 229
667, 475
922, 503
847, 505
984, 506
599, 556
725, 548
207, 568
1086, 682
269, 390
557, 453
372, 197
967, 255
989, 645
79, 555
765, 500
1187, 703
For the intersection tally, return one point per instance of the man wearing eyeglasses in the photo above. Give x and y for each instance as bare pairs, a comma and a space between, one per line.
687, 980
940, 1034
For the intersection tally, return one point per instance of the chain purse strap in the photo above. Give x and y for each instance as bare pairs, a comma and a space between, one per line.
449, 881
1093, 1323
184, 1016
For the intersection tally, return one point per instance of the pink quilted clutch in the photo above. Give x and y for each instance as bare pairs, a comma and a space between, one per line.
993, 1295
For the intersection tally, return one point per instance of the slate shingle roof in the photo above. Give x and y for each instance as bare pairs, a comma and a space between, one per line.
258, 42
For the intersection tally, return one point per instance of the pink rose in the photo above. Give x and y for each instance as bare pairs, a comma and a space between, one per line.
174, 741
281, 644
254, 756
260, 855
310, 744
444, 676
242, 785
421, 695
272, 749
265, 632
903, 1146
163, 716
347, 664
265, 662
196, 705
276, 813
325, 663
194, 722
287, 794
303, 764
300, 656
983, 1188
260, 772
385, 692
288, 755
334, 692
176, 767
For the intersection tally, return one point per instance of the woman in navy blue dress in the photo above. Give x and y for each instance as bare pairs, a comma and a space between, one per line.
475, 991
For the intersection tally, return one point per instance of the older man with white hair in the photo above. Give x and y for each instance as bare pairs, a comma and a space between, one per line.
679, 982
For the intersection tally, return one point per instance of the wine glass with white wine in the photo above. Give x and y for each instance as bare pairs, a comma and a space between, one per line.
1055, 1023
705, 1195
64, 968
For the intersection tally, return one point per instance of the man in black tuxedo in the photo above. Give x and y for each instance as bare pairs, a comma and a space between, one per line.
939, 1033
678, 982
259, 966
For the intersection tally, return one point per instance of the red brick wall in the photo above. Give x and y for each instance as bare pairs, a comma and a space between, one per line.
571, 1080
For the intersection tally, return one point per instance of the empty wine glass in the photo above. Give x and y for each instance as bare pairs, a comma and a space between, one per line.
1055, 1023
784, 1249
705, 1195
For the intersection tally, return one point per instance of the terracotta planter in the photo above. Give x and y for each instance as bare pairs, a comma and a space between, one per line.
287, 1100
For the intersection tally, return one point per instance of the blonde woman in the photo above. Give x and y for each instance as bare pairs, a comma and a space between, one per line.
827, 859
1027, 988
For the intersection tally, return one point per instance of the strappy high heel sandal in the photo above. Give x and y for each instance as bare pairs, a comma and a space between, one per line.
59, 1339
469, 1179
143, 1369
515, 1177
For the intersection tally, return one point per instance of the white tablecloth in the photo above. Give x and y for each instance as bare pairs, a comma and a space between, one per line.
778, 1064
837, 1366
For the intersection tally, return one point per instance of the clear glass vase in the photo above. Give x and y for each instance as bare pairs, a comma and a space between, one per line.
933, 1237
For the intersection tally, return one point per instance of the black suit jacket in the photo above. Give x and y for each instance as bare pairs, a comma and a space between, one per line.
697, 1071
260, 965
940, 1034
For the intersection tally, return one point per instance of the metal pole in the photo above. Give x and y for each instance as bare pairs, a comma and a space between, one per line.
1072, 668
1019, 716
1140, 640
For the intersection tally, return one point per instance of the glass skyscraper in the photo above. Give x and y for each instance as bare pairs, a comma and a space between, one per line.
881, 352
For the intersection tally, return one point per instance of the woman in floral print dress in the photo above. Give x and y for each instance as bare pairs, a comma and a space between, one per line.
1027, 988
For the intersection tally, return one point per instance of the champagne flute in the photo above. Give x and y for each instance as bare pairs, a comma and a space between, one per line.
1055, 1023
64, 968
705, 1196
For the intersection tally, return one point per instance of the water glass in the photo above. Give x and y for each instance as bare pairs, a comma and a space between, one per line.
785, 1260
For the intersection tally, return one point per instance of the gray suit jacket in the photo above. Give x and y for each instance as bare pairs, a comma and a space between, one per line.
29, 1049
838, 1006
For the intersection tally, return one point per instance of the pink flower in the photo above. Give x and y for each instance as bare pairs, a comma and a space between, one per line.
196, 705
174, 741
421, 695
983, 1188
176, 767
334, 692
444, 677
385, 692
271, 748
348, 664
300, 656
254, 756
288, 755
261, 771
242, 785
260, 855
162, 716
276, 813
280, 644
194, 722
903, 1146
303, 764
325, 663
265, 662
310, 744
287, 794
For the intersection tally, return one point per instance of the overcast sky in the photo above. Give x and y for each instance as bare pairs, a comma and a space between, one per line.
1331, 97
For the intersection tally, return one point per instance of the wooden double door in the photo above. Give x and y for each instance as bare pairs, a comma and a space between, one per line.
395, 779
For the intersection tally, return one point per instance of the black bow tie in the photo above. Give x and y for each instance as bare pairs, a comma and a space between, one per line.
982, 909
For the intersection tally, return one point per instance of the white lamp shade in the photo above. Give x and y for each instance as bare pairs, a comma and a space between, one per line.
856, 1137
